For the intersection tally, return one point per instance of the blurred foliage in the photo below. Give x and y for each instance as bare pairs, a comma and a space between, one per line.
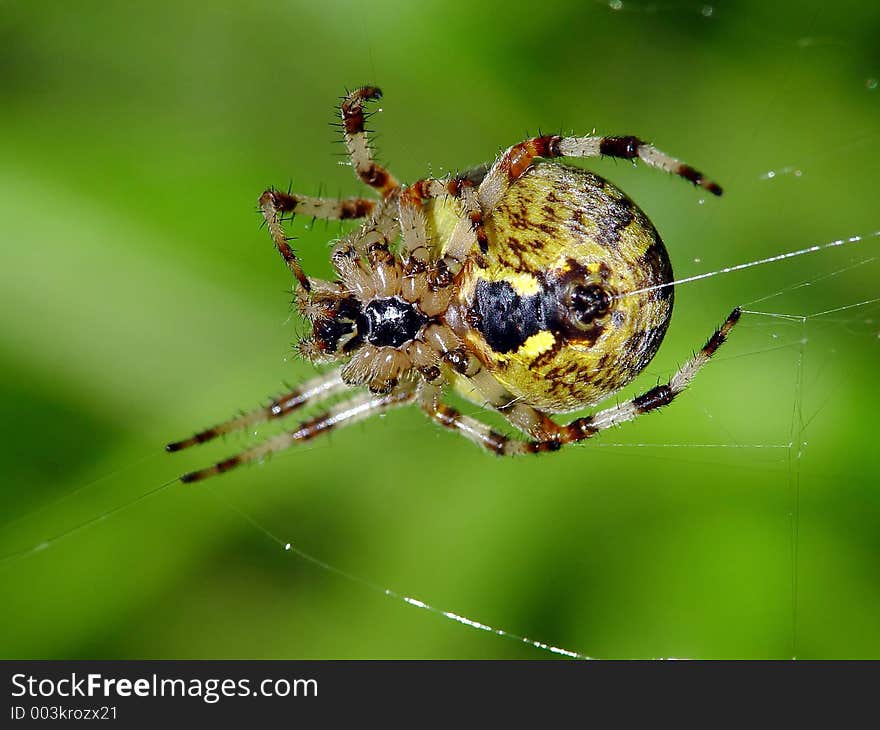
140, 301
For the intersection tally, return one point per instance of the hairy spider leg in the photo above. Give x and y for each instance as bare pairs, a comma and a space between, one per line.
355, 135
413, 227
273, 203
512, 163
344, 414
330, 209
381, 228
580, 428
269, 205
312, 391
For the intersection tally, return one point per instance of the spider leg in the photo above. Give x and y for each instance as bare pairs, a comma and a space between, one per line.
428, 272
475, 430
533, 421
630, 148
659, 395
272, 206
311, 391
381, 227
364, 261
412, 223
488, 391
355, 136
517, 159
331, 209
528, 419
413, 227
343, 414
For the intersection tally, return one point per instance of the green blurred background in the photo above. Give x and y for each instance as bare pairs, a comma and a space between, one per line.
140, 301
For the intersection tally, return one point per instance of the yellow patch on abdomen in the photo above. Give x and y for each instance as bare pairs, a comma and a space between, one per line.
523, 283
536, 344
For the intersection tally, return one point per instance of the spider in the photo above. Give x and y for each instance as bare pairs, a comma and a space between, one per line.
529, 287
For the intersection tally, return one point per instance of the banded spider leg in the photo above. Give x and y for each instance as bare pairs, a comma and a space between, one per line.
345, 413
552, 436
514, 162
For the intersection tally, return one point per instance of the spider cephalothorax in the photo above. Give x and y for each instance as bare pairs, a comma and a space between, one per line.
529, 287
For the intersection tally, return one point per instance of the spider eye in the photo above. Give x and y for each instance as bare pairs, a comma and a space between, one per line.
587, 302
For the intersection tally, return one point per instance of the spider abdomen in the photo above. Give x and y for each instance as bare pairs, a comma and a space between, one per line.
556, 305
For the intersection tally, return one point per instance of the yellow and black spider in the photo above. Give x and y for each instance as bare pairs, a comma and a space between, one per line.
529, 287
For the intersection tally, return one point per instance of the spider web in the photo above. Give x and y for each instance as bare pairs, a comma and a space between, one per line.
810, 309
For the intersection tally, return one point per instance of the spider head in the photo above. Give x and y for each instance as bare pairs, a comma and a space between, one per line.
341, 325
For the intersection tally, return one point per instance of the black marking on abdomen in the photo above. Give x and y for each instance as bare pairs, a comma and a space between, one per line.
612, 217
656, 261
508, 319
